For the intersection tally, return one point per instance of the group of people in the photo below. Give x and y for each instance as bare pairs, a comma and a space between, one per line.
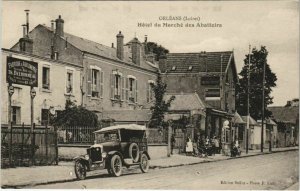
207, 146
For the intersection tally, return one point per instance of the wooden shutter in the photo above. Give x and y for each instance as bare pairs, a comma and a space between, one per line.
136, 90
122, 88
148, 92
98, 82
112, 86
89, 82
101, 83
127, 89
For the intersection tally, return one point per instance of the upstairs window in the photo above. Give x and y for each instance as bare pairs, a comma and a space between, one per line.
69, 82
212, 93
95, 82
46, 78
132, 89
117, 86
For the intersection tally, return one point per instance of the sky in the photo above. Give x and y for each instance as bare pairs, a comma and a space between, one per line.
274, 24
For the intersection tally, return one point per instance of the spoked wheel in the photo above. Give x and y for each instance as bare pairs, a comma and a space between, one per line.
80, 170
116, 165
144, 164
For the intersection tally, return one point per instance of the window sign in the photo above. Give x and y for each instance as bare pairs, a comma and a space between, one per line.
22, 72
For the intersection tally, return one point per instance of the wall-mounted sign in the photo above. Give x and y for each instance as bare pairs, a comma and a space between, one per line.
22, 72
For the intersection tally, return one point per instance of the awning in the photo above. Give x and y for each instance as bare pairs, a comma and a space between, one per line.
237, 119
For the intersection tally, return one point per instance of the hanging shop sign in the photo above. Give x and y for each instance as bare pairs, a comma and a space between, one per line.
22, 72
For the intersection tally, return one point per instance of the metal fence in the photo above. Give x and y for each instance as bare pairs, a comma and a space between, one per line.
21, 147
76, 135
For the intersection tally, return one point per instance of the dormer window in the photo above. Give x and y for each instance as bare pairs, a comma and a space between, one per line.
190, 68
173, 68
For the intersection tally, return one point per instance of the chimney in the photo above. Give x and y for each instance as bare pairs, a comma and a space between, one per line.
120, 46
27, 20
52, 25
25, 43
163, 62
59, 26
136, 51
24, 30
146, 38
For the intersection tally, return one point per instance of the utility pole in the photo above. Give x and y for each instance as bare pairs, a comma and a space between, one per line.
248, 105
263, 109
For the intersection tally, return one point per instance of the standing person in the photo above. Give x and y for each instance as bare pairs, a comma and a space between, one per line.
172, 143
213, 144
217, 145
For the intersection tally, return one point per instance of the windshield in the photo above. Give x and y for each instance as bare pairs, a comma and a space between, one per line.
107, 137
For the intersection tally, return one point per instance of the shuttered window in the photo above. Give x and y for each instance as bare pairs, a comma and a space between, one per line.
149, 93
116, 86
95, 82
132, 90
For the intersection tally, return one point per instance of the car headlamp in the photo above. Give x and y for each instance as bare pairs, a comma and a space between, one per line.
87, 157
104, 154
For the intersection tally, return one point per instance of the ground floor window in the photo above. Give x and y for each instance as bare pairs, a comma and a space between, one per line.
16, 115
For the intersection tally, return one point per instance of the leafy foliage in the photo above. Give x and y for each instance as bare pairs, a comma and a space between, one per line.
75, 116
160, 106
257, 61
156, 49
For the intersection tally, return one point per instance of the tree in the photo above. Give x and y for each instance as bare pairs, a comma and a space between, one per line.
257, 61
74, 115
156, 49
160, 106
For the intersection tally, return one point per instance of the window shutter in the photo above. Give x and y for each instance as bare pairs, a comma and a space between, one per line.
148, 92
123, 88
136, 91
112, 88
127, 89
98, 82
89, 82
101, 83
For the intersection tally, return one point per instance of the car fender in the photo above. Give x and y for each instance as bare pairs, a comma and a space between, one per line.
83, 160
110, 154
146, 153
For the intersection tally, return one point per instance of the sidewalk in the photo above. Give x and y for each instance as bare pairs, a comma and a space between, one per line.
64, 172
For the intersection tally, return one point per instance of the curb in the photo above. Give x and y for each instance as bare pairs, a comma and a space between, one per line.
151, 167
217, 160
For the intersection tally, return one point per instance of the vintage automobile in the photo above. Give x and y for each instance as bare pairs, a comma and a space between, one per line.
115, 147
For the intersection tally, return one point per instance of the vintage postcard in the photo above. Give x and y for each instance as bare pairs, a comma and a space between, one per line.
138, 95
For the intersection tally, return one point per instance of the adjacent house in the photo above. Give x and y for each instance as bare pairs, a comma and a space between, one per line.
213, 76
287, 119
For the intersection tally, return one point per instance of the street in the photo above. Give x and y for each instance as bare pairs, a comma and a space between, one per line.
270, 171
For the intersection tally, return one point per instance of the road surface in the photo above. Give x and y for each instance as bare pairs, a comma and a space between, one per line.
272, 171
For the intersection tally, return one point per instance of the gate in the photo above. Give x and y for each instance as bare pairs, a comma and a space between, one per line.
21, 147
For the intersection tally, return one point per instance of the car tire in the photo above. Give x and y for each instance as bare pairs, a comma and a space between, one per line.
144, 163
80, 170
116, 165
134, 152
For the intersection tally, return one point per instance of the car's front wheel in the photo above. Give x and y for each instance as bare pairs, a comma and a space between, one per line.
116, 165
144, 164
80, 170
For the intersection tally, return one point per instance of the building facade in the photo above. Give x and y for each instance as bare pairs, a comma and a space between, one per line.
57, 82
213, 76
111, 78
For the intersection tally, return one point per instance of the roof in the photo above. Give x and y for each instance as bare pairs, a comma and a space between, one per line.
251, 120
127, 127
185, 101
200, 62
285, 114
237, 119
128, 115
95, 48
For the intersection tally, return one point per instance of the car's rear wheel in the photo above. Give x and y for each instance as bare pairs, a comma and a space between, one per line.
116, 165
144, 163
80, 170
